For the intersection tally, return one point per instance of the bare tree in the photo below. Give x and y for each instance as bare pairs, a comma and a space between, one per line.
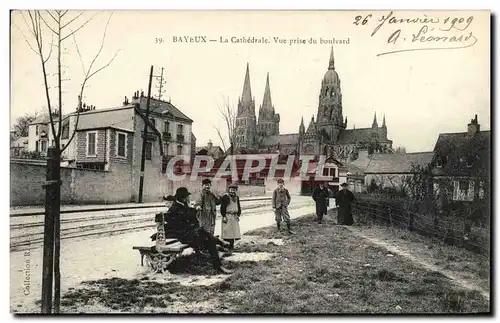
22, 124
49, 30
228, 113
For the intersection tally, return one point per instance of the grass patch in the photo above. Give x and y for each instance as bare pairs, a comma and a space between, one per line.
320, 269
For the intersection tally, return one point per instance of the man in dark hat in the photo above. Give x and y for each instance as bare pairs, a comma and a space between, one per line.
343, 200
230, 210
182, 223
281, 200
320, 196
206, 205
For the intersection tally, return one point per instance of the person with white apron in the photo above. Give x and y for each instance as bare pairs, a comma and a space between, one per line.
230, 210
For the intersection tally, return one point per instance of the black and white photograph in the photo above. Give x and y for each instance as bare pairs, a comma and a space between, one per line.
250, 162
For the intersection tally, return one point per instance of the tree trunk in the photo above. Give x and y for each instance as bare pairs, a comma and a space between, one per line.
57, 230
51, 203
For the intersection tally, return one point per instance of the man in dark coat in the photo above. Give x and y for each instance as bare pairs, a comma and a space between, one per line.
181, 223
320, 196
343, 200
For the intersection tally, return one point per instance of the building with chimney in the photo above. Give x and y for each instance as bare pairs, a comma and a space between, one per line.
110, 141
461, 164
327, 132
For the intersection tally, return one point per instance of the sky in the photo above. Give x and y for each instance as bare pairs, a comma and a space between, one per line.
422, 90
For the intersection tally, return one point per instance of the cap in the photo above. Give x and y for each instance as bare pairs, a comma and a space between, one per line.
182, 192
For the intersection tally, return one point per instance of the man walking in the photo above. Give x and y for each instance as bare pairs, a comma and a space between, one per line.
206, 205
343, 200
281, 200
321, 196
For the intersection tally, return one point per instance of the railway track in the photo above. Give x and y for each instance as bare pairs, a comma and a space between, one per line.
23, 241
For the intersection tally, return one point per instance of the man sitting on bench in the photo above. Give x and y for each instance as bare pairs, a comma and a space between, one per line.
181, 223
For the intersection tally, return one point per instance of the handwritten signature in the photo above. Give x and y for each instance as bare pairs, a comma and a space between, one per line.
450, 32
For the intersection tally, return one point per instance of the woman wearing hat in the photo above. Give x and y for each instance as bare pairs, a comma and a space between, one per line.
343, 200
230, 210
182, 223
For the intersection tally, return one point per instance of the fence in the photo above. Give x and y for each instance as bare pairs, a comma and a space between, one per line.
457, 229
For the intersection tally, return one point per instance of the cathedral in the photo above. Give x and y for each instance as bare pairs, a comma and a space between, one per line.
325, 135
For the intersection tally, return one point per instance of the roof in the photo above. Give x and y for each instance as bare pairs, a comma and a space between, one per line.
397, 163
120, 118
285, 139
159, 106
352, 136
456, 149
214, 150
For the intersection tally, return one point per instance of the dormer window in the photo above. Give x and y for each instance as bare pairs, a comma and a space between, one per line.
439, 162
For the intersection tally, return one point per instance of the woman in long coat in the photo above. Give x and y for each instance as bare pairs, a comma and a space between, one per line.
343, 200
230, 210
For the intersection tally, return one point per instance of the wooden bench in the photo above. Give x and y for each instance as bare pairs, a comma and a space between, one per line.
166, 250
159, 257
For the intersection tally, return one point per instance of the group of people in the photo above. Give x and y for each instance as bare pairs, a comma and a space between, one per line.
195, 226
343, 201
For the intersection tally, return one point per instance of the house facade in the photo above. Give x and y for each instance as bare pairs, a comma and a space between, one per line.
461, 165
111, 140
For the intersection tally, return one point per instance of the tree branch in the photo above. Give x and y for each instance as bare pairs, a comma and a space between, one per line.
88, 75
52, 16
83, 25
48, 26
69, 22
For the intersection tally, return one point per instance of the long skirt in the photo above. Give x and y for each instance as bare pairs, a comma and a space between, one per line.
344, 215
231, 229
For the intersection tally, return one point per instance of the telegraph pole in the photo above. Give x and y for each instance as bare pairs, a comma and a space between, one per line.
144, 137
160, 87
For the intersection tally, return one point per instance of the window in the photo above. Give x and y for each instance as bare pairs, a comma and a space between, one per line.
36, 130
463, 185
325, 171
439, 162
37, 146
166, 126
65, 132
153, 121
92, 143
149, 150
44, 146
53, 143
332, 172
179, 150
180, 129
121, 144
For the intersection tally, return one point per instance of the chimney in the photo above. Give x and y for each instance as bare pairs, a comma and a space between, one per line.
209, 145
142, 94
473, 127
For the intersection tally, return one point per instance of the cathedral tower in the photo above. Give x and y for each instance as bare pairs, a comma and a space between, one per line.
330, 118
268, 124
245, 118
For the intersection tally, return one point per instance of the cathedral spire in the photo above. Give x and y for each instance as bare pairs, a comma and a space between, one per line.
375, 124
246, 96
331, 64
302, 128
267, 103
383, 123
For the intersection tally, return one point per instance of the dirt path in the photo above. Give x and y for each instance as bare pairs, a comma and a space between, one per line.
416, 252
